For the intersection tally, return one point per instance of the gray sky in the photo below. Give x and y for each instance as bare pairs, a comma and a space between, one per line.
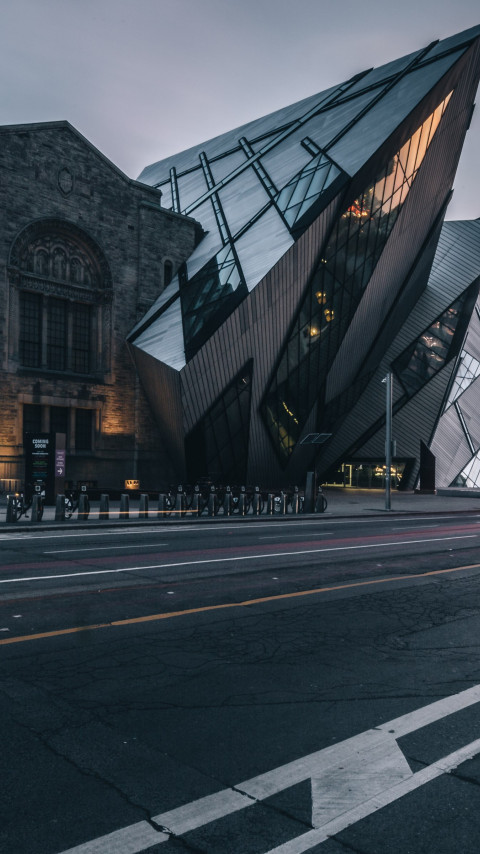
143, 79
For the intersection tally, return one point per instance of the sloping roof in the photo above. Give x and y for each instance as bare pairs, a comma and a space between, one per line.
252, 188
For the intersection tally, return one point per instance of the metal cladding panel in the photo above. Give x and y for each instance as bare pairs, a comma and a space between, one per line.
325, 127
256, 329
223, 166
452, 42
191, 186
162, 388
385, 116
287, 158
261, 246
210, 244
469, 405
254, 130
169, 292
451, 449
384, 73
241, 199
164, 338
421, 208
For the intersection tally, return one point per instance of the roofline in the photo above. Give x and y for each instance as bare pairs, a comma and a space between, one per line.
63, 124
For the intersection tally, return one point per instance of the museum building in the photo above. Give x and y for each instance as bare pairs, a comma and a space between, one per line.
231, 315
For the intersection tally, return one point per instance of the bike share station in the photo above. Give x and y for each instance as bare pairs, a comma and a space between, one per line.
45, 458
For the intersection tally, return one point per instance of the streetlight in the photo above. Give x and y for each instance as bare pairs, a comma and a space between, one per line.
388, 380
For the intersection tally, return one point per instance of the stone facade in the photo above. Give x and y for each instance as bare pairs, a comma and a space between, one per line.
84, 251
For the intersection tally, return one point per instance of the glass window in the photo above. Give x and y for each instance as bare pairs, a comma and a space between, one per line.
57, 334
81, 332
30, 329
83, 429
349, 259
32, 418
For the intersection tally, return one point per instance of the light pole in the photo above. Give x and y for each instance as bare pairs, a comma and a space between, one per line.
388, 380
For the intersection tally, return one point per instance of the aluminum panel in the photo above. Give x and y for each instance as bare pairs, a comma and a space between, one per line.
262, 246
385, 116
241, 199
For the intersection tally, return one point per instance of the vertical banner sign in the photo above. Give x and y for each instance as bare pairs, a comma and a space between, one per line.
45, 463
60, 462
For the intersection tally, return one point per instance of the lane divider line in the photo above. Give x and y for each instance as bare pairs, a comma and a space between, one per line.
258, 556
224, 605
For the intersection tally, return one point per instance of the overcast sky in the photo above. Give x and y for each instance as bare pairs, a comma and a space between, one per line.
143, 79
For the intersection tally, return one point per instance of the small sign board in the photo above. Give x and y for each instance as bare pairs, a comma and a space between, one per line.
132, 484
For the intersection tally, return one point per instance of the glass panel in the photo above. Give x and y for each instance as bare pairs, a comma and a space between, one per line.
57, 334
470, 475
429, 353
305, 188
349, 259
468, 370
30, 343
83, 429
32, 418
223, 433
208, 295
81, 336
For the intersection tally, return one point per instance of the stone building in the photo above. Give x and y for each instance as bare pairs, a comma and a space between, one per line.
84, 252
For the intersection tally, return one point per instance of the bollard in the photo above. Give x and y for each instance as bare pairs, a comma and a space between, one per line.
270, 504
143, 509
83, 506
283, 503
11, 514
242, 502
228, 502
309, 500
321, 503
212, 502
104, 512
257, 502
180, 503
295, 501
162, 505
196, 502
37, 509
60, 508
124, 506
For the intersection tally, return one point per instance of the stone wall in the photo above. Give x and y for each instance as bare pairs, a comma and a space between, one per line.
59, 194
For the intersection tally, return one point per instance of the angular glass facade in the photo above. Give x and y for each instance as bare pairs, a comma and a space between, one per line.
219, 443
470, 475
209, 297
348, 261
437, 345
468, 371
296, 199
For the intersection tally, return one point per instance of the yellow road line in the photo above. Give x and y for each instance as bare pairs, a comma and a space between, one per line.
169, 614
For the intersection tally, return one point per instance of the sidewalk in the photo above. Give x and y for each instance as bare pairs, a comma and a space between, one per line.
342, 502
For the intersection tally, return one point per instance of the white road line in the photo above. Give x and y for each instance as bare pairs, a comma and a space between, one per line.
130, 840
289, 536
361, 775
94, 572
179, 529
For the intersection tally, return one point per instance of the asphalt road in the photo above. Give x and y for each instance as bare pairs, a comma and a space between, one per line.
242, 687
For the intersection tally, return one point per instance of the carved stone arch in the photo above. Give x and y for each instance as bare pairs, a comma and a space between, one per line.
49, 235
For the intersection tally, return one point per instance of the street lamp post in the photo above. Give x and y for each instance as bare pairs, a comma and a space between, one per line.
388, 380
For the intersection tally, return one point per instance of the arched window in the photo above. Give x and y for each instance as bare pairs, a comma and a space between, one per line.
62, 285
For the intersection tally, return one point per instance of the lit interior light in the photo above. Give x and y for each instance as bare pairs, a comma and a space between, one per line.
289, 412
313, 331
321, 297
329, 314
